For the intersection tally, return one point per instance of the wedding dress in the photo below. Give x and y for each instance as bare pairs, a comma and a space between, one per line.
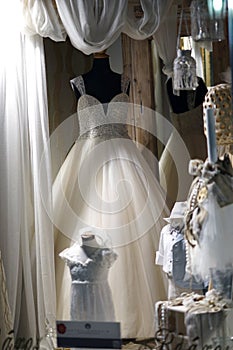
106, 183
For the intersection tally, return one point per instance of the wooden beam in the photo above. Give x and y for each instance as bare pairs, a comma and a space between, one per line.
137, 62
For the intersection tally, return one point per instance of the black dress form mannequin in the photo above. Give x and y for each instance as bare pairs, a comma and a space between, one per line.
101, 82
187, 99
187, 117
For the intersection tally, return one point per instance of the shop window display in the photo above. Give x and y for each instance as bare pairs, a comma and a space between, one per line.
107, 184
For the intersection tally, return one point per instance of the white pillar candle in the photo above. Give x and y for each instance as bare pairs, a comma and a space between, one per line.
211, 136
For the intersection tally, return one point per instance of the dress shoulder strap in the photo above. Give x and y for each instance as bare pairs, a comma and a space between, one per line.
125, 81
78, 83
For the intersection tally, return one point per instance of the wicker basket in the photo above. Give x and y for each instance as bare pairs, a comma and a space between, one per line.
219, 98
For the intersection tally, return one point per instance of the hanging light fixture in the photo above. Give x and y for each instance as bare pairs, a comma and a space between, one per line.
200, 21
217, 8
207, 20
184, 66
184, 71
217, 12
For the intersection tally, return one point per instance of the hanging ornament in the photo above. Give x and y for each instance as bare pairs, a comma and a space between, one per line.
184, 66
207, 20
184, 71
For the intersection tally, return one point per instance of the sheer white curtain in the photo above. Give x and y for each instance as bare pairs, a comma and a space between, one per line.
41, 18
154, 12
93, 25
26, 238
165, 39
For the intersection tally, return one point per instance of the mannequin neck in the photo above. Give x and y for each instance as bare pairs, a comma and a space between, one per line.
101, 54
101, 82
101, 64
89, 243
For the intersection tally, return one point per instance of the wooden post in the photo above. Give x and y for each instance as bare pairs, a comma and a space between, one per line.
137, 62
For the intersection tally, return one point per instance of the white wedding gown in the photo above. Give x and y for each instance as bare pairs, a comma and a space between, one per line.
106, 183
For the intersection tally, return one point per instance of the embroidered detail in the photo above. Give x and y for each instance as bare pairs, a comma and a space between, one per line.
78, 82
105, 121
106, 132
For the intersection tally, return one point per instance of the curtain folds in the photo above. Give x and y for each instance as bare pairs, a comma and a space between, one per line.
93, 25
26, 238
144, 17
41, 18
165, 39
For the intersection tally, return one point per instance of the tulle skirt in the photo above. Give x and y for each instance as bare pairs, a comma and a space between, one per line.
212, 256
107, 184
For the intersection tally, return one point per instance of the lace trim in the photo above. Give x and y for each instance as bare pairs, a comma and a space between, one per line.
78, 82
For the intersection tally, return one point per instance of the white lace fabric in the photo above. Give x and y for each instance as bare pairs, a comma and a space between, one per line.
102, 120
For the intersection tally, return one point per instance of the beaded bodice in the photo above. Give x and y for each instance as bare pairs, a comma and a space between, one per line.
102, 120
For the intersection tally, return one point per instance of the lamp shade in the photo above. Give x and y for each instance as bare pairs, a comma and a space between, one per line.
217, 8
207, 20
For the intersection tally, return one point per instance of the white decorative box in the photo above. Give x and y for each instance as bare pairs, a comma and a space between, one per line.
179, 326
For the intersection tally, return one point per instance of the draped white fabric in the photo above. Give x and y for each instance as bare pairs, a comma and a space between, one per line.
41, 18
165, 40
26, 238
154, 12
92, 25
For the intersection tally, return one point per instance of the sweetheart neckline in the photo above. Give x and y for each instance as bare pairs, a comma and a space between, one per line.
104, 106
99, 102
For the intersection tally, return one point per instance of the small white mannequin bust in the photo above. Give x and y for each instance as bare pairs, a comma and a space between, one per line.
89, 262
89, 242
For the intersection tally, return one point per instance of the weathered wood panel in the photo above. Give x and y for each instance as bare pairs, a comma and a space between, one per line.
137, 62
